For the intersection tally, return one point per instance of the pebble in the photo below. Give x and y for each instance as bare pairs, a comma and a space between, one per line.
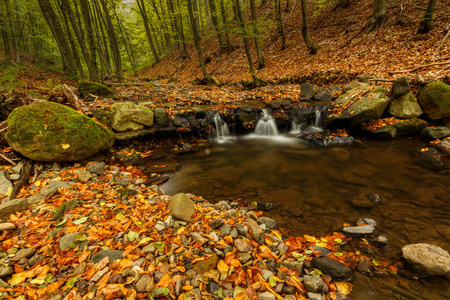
359, 230
7, 226
160, 226
148, 249
266, 296
144, 284
199, 238
270, 223
225, 229
99, 274
266, 274
257, 232
6, 271
25, 253
242, 229
216, 223
242, 246
379, 241
313, 283
244, 257
368, 221
314, 296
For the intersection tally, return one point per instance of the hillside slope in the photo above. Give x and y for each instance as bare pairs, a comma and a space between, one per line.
345, 50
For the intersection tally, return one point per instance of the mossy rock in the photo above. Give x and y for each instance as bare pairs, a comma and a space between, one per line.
94, 88
405, 106
435, 100
48, 131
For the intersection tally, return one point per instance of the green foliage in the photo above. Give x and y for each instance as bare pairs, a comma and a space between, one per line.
321, 5
8, 75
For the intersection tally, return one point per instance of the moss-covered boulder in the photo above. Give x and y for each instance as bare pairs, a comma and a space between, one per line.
392, 127
130, 117
89, 87
48, 131
435, 100
405, 106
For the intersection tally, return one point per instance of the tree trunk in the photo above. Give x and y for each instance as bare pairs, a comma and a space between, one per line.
128, 47
309, 43
378, 14
13, 32
4, 32
175, 23
280, 23
425, 25
215, 20
143, 12
225, 24
114, 43
92, 64
261, 61
256, 79
58, 34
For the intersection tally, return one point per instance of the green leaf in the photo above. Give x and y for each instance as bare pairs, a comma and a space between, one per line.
81, 237
237, 290
159, 246
272, 281
80, 221
160, 291
62, 222
220, 293
48, 277
308, 252
316, 272
132, 236
337, 254
71, 281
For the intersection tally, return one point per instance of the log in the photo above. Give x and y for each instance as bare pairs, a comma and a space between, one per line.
75, 101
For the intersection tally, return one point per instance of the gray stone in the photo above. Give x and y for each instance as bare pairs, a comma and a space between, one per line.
379, 241
234, 233
401, 87
368, 221
225, 229
49, 191
80, 268
207, 264
35, 259
270, 223
100, 273
296, 265
359, 230
405, 106
112, 254
266, 296
182, 208
5, 184
144, 284
313, 283
242, 246
242, 229
323, 96
162, 117
244, 257
314, 296
129, 117
6, 271
68, 240
212, 287
96, 167
435, 132
308, 90
83, 175
335, 269
160, 226
353, 85
11, 207
14, 176
323, 251
431, 156
25, 253
427, 259
63, 208
7, 226
283, 248
266, 274
256, 231
197, 237
216, 223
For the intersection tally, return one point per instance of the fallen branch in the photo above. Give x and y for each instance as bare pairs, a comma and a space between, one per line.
420, 67
7, 159
445, 37
74, 100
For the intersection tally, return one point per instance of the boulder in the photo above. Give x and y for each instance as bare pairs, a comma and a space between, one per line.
88, 87
323, 96
392, 127
5, 184
427, 259
48, 131
405, 106
401, 87
128, 117
353, 85
308, 90
11, 207
162, 117
435, 132
434, 98
247, 117
181, 207
360, 105
332, 267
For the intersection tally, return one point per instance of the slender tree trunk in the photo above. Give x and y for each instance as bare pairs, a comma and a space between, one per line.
13, 31
176, 25
425, 25
262, 3
143, 12
261, 61
225, 24
378, 14
183, 39
215, 20
309, 43
4, 32
103, 45
128, 48
256, 79
92, 55
287, 8
58, 34
114, 43
198, 24
280, 23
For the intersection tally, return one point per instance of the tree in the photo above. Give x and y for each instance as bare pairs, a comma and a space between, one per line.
280, 23
425, 25
113, 42
143, 12
378, 14
309, 43
261, 61
215, 20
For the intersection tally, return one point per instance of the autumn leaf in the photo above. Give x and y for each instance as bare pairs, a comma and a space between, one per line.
344, 288
65, 146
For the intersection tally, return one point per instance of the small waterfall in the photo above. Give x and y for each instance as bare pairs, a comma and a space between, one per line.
221, 128
266, 125
318, 120
298, 128
315, 125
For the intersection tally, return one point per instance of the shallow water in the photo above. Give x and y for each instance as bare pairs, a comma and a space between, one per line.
312, 187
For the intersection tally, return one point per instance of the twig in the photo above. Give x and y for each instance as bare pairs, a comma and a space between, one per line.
441, 70
443, 40
7, 159
420, 67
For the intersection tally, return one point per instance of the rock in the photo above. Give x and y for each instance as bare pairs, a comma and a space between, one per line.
68, 240
353, 85
363, 266
266, 296
7, 227
216, 223
48, 131
329, 266
162, 117
5, 184
83, 175
360, 109
308, 90
4, 284
266, 274
35, 259
314, 296
149, 249
427, 259
401, 87
160, 226
270, 223
96, 167
367, 221
379, 241
313, 283
242, 229
242, 246
212, 287
14, 176
431, 157
405, 106
435, 132
207, 264
369, 200
359, 230
443, 145
256, 231
63, 208
244, 257
323, 96
11, 207
129, 117
247, 117
144, 284
6, 271
410, 127
89, 87
296, 265
330, 138
182, 208
323, 251
25, 253
225, 229
197, 237
112, 254
434, 98
49, 191
391, 127
130, 159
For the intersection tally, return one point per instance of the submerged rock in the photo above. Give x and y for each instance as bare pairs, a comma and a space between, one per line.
332, 267
431, 156
330, 138
427, 259
359, 230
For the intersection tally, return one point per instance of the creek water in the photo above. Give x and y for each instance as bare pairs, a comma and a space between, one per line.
313, 187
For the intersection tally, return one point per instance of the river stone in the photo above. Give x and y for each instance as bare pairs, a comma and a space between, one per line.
111, 254
434, 98
48, 131
256, 231
369, 200
96, 167
225, 229
266, 296
405, 106
6, 271
427, 259
242, 246
353, 85
315, 296
5, 184
144, 284
7, 226
435, 132
359, 230
313, 283
83, 175
181, 207
323, 96
25, 253
401, 87
296, 265
308, 90
129, 117
332, 267
11, 207
197, 237
49, 191
270, 223
162, 117
89, 87
410, 127
431, 156
206, 265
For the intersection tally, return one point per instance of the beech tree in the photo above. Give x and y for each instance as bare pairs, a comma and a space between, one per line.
309, 43
425, 24
378, 14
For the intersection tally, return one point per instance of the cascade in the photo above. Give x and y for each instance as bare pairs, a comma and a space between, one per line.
221, 128
266, 125
315, 125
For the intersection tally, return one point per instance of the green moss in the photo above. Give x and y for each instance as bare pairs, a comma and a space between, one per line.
435, 100
94, 88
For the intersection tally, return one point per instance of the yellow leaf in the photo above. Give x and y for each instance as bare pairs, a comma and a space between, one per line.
222, 266
65, 146
344, 288
37, 183
310, 239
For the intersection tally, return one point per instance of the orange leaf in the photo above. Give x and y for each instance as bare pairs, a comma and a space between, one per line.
83, 255
125, 263
165, 281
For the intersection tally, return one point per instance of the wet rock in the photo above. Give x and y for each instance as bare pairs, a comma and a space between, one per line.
359, 230
130, 159
434, 98
5, 184
111, 254
162, 117
405, 106
330, 138
182, 207
400, 87
7, 227
206, 265
256, 231
427, 259
96, 167
313, 283
435, 132
83, 175
270, 223
25, 253
369, 200
11, 207
308, 90
431, 156
242, 246
63, 208
323, 251
6, 271
144, 284
198, 238
379, 241
367, 221
323, 96
363, 266
335, 269
296, 265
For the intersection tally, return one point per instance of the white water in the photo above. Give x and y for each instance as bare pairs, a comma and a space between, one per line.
266, 125
314, 127
221, 128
